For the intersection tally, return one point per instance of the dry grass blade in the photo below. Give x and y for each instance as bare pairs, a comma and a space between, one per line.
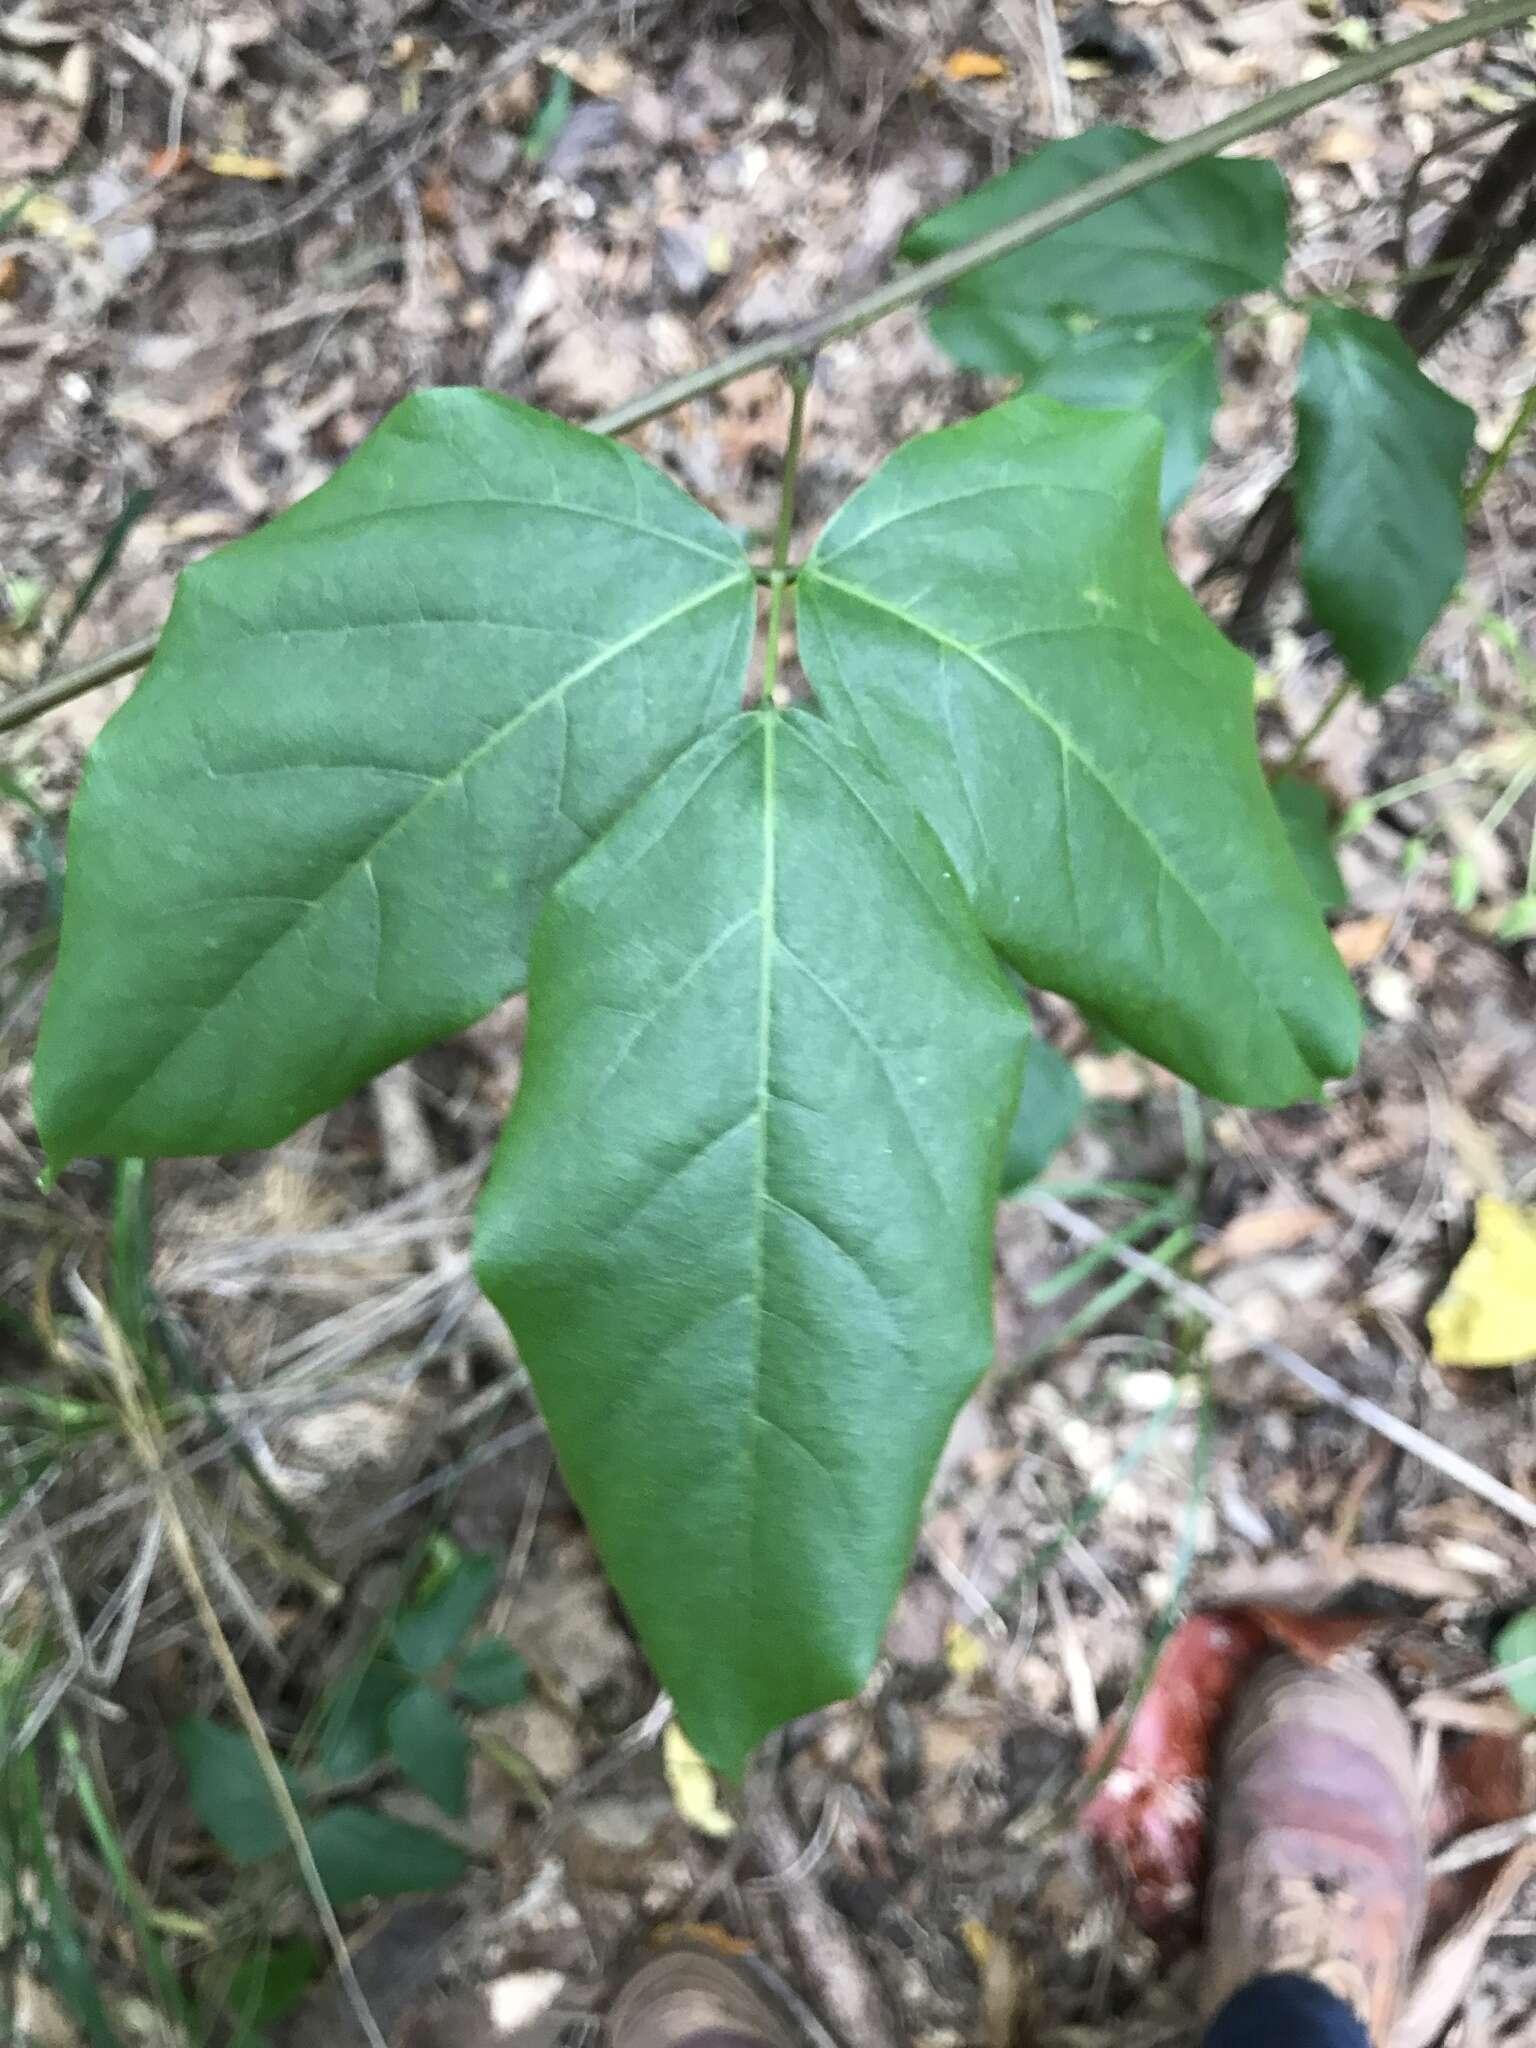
141, 1427
1483, 1844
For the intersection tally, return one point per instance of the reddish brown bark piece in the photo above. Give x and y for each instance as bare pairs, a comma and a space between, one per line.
1149, 1815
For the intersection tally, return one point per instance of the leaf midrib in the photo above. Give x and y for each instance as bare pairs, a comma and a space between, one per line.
437, 785
815, 574
767, 913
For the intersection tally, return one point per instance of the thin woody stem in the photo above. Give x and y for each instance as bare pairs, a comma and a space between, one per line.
799, 376
800, 343
1524, 415
1303, 746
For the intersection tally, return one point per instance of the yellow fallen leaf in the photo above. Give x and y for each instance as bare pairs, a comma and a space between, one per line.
692, 1785
964, 65
230, 163
964, 1653
40, 213
978, 1941
1487, 1315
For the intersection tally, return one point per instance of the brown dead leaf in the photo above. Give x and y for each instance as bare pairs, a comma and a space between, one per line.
1477, 1151
40, 115
1344, 144
605, 73
967, 66
1360, 939
1483, 1781
1257, 1232
1412, 1571
1112, 1077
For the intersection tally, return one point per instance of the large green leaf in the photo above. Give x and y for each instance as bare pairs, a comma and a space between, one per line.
740, 1217
1164, 367
1380, 451
317, 836
1210, 232
993, 618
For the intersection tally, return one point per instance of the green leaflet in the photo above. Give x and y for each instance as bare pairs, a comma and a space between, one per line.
1304, 813
228, 1789
1513, 1649
1050, 1110
431, 1746
1210, 232
317, 836
433, 1625
992, 619
361, 1854
1166, 368
740, 1217
1380, 451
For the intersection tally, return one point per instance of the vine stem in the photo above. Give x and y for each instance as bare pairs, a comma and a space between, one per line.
1524, 414
106, 668
802, 342
1305, 744
799, 378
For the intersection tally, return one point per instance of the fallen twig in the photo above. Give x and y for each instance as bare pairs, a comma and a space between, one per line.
1483, 1844
1324, 1385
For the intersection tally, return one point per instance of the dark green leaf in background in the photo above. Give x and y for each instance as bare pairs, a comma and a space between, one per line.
1050, 1109
435, 1623
740, 1216
1166, 368
993, 619
229, 1794
361, 1854
317, 835
1380, 451
1210, 232
1308, 823
354, 1732
430, 1746
491, 1674
269, 1983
